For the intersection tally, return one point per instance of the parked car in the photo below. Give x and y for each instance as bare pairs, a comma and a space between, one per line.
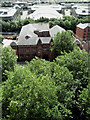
9, 38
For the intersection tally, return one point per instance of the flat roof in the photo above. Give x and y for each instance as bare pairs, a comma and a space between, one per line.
7, 12
56, 7
7, 42
82, 11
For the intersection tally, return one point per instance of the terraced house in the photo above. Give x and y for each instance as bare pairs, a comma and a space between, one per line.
35, 40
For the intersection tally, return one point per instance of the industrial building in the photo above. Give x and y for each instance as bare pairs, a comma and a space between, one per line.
8, 13
81, 10
46, 12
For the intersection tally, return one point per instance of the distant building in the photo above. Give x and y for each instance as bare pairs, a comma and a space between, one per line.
83, 34
81, 10
56, 7
83, 31
35, 40
22, 4
46, 12
8, 13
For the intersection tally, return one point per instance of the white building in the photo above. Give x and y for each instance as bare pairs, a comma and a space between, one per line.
46, 12
81, 10
8, 13
57, 7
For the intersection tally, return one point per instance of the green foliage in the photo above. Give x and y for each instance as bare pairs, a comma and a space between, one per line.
68, 23
77, 62
14, 36
45, 20
1, 38
44, 90
6, 4
9, 59
36, 94
62, 42
84, 101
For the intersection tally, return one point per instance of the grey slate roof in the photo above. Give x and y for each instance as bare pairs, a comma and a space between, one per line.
30, 41
28, 37
54, 30
45, 40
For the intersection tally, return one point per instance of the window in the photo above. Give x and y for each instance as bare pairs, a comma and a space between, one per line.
34, 50
84, 33
83, 11
45, 49
88, 30
27, 50
84, 30
20, 50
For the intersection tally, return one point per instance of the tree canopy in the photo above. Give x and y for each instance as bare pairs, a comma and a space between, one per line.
44, 90
62, 42
68, 23
9, 60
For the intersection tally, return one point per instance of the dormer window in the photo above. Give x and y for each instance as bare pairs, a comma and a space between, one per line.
83, 11
27, 37
5, 13
39, 42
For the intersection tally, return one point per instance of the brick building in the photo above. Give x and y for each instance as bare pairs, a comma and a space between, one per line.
35, 40
83, 34
83, 31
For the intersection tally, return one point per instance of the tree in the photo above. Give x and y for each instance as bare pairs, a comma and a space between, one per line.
62, 42
14, 36
9, 59
84, 102
35, 94
1, 38
47, 90
77, 62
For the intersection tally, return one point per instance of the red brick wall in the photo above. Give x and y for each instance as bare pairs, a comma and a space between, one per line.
29, 52
80, 33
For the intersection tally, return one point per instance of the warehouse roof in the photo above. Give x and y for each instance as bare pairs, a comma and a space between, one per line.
7, 12
45, 12
28, 37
